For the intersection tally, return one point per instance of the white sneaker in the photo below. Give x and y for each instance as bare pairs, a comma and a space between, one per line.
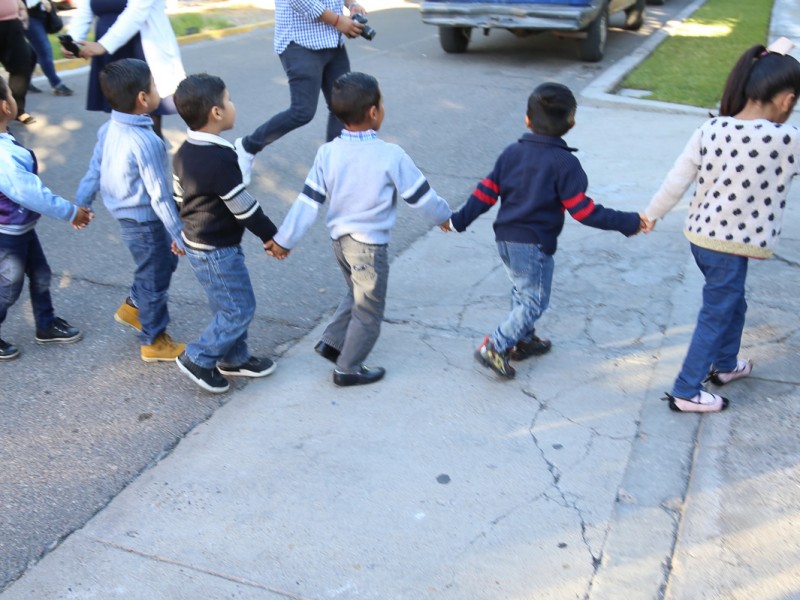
245, 160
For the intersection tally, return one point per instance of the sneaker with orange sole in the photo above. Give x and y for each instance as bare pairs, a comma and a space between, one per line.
163, 348
128, 314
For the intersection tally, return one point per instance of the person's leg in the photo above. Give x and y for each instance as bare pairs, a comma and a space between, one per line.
39, 277
337, 65
304, 69
223, 275
369, 273
149, 245
13, 258
336, 330
731, 340
725, 276
531, 273
37, 36
18, 59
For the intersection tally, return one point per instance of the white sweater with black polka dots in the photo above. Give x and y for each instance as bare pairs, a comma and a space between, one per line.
742, 171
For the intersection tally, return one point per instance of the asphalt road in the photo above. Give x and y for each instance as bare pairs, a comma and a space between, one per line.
79, 422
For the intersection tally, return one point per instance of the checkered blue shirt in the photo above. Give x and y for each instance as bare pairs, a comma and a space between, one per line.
297, 21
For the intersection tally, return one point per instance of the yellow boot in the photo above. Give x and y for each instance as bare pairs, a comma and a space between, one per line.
163, 348
128, 314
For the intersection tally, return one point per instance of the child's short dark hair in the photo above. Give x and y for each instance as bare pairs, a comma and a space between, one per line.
196, 96
353, 95
551, 109
3, 89
122, 80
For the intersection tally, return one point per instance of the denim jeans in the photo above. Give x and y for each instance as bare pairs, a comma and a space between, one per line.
149, 244
356, 324
308, 72
22, 255
531, 273
718, 334
224, 277
37, 36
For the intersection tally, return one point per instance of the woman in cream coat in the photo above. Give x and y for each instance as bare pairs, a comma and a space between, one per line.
129, 29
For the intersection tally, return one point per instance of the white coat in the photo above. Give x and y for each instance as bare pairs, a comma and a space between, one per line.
149, 18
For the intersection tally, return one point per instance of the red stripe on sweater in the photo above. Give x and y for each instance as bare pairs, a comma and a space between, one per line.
491, 185
484, 197
574, 201
584, 212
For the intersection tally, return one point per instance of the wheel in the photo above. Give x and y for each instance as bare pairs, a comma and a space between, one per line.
634, 16
591, 48
454, 40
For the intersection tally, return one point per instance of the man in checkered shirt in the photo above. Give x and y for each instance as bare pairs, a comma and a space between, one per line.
309, 39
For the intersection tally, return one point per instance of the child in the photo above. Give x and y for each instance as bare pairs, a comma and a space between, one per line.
741, 163
22, 198
361, 214
536, 179
215, 209
129, 167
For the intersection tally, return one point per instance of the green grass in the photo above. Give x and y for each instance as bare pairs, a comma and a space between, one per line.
182, 24
691, 66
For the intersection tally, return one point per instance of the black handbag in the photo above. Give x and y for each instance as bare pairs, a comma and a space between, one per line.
53, 23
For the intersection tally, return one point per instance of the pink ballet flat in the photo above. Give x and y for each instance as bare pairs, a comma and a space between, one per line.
701, 403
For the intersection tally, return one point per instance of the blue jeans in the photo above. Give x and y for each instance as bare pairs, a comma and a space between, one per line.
149, 244
531, 273
22, 255
37, 36
356, 325
224, 277
309, 71
718, 334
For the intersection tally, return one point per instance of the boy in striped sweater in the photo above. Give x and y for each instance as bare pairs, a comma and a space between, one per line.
130, 169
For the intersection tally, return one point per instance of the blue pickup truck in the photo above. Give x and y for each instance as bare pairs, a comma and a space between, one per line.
586, 20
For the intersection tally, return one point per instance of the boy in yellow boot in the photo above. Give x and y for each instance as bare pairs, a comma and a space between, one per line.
129, 167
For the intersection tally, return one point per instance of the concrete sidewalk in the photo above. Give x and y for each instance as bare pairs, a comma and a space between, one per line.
442, 481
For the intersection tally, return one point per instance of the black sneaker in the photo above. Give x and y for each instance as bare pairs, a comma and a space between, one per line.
62, 90
254, 367
208, 379
60, 332
497, 361
536, 346
8, 351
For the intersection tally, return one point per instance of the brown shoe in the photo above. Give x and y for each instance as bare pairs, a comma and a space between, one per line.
128, 314
164, 348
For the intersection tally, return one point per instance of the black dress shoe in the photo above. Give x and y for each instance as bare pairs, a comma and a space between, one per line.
326, 351
365, 375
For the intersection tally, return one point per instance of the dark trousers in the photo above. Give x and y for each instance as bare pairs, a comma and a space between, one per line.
22, 255
309, 71
18, 59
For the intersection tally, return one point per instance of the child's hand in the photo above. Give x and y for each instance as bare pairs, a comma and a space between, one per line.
177, 250
82, 217
646, 225
447, 226
276, 250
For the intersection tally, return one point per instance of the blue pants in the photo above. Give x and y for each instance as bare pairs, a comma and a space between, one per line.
224, 277
37, 36
531, 273
22, 255
718, 334
150, 245
309, 71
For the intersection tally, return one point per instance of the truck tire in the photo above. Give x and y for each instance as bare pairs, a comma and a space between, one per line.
634, 16
454, 40
592, 48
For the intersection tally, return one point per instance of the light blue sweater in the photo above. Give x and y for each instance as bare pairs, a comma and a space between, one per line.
362, 176
130, 169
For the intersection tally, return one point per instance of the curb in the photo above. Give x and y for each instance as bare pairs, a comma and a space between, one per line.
70, 64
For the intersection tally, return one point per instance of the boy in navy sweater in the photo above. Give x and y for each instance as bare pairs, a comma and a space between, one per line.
216, 208
536, 179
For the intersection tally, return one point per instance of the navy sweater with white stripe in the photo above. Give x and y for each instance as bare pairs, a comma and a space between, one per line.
536, 179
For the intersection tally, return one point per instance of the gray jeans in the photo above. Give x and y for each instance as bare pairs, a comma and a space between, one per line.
356, 324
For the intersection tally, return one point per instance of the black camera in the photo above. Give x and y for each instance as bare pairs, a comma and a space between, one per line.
368, 32
68, 43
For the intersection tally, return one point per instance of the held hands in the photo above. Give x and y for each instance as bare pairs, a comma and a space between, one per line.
447, 226
177, 250
646, 225
275, 250
82, 218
